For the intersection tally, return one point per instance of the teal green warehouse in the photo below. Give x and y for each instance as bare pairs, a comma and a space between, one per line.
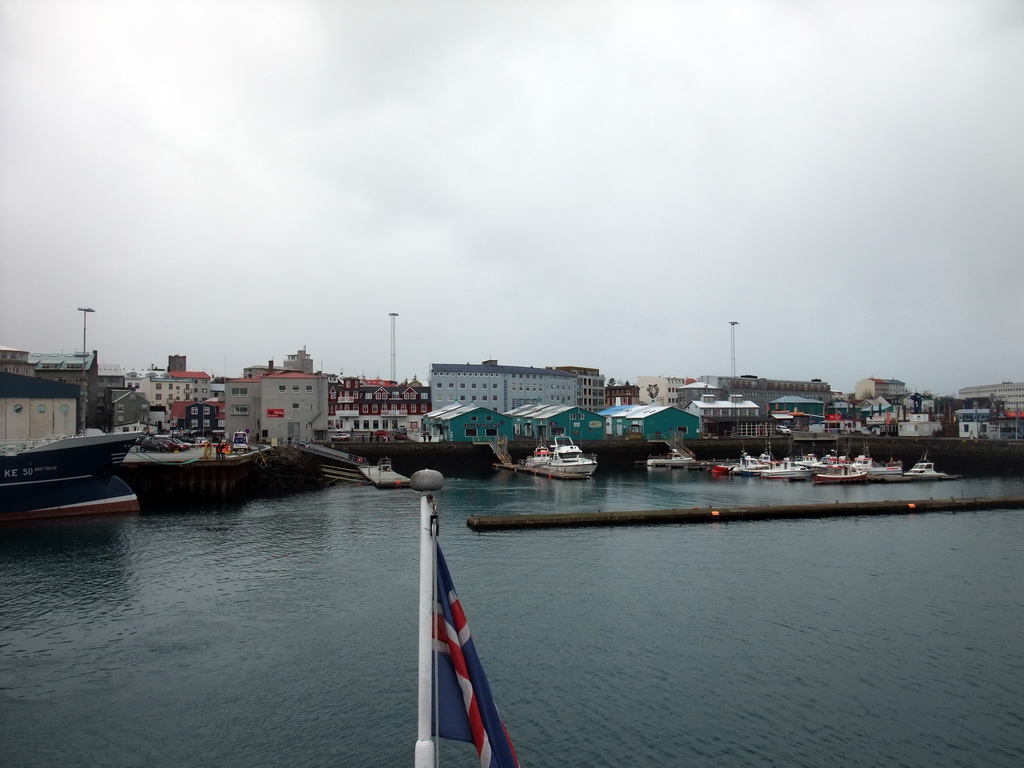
543, 421
462, 423
651, 422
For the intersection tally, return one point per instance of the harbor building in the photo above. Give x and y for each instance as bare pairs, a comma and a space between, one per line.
33, 408
467, 423
541, 422
762, 390
499, 388
651, 422
732, 417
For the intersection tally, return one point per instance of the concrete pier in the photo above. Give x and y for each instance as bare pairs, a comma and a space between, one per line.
734, 514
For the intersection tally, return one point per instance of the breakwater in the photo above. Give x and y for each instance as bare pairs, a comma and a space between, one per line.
736, 514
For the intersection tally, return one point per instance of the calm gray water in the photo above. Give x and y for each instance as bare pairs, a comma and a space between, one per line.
283, 632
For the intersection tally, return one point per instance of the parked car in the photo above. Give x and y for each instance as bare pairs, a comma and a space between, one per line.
154, 443
399, 436
382, 435
341, 436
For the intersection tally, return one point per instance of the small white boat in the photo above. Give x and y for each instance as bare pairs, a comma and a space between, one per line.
675, 458
540, 457
752, 467
568, 459
925, 470
876, 469
787, 469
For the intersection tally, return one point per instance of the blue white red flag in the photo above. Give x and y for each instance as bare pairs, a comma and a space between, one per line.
465, 709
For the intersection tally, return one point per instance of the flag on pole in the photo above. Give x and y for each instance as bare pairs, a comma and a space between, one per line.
465, 708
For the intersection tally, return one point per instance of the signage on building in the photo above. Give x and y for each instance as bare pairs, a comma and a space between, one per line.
275, 413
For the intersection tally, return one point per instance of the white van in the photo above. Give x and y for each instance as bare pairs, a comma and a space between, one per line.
240, 442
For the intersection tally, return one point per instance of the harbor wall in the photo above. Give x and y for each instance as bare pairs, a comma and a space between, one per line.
285, 470
952, 455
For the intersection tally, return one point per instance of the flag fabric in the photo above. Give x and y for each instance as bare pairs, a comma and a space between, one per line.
465, 709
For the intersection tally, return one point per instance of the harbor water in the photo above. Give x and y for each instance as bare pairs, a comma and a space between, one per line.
283, 632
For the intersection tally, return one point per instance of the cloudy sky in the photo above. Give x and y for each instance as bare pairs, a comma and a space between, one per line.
606, 184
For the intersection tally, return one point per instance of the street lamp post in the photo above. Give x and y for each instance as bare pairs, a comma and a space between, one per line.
732, 331
392, 315
85, 378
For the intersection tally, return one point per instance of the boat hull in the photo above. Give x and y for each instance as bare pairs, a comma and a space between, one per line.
75, 476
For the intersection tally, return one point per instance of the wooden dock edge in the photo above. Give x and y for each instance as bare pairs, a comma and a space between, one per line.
730, 514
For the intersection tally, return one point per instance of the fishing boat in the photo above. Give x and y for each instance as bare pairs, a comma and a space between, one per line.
568, 460
840, 473
925, 470
750, 466
675, 458
66, 476
787, 469
540, 457
875, 469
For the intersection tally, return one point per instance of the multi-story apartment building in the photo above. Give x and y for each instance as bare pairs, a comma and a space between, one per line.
1007, 396
168, 387
279, 408
622, 393
199, 417
499, 387
357, 405
16, 361
891, 389
589, 386
664, 390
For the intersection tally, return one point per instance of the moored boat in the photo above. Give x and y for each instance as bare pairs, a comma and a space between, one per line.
568, 459
540, 457
675, 458
925, 470
750, 466
841, 473
875, 469
64, 477
787, 469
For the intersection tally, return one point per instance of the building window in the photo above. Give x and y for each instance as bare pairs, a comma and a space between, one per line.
240, 410
238, 391
282, 388
295, 406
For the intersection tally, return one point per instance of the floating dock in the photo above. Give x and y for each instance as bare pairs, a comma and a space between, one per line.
733, 514
383, 476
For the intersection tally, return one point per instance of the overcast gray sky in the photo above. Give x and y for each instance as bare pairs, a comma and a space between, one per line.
604, 184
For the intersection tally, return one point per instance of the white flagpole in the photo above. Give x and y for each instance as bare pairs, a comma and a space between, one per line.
426, 481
